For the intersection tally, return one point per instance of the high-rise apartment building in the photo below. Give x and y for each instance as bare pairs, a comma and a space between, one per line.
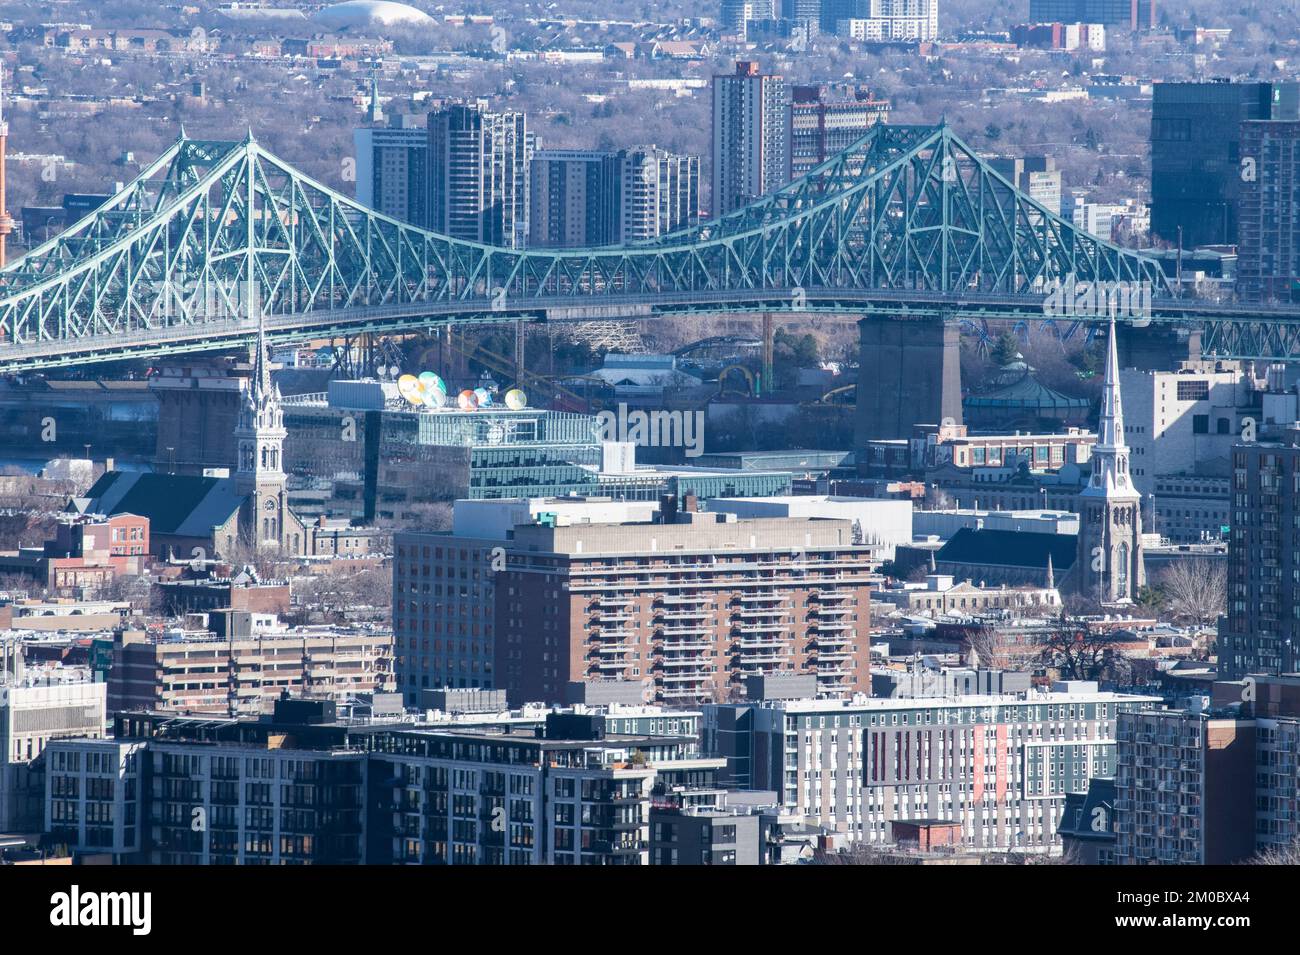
1186, 420
1197, 171
750, 149
1000, 766
1261, 633
1183, 789
657, 192
688, 610
392, 170
589, 198
734, 15
571, 199
825, 121
884, 20
1131, 14
1268, 231
478, 174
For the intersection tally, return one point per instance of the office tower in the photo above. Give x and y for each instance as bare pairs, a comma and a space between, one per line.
657, 192
1261, 633
749, 137
392, 168
880, 20
1268, 265
1132, 14
999, 766
1037, 176
1109, 565
1196, 154
478, 174
572, 199
825, 121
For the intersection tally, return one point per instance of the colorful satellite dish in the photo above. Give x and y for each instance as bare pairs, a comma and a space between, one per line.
432, 382
516, 400
484, 397
434, 398
467, 401
408, 386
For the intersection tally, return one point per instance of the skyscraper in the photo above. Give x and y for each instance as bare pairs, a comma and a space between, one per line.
1109, 564
1196, 154
478, 174
749, 137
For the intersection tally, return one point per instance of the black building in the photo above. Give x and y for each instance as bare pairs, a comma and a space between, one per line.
1197, 172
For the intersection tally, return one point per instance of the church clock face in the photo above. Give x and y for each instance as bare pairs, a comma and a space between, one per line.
269, 505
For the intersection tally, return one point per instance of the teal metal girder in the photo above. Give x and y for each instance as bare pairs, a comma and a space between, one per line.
909, 220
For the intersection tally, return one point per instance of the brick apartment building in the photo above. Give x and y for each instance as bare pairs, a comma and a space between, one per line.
688, 609
604, 590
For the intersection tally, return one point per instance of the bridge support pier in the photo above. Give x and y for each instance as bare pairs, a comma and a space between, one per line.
909, 374
1156, 347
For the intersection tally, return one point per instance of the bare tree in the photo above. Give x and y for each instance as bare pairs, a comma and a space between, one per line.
1197, 590
1078, 650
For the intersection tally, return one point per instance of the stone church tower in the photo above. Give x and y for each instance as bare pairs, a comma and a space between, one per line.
265, 519
1109, 562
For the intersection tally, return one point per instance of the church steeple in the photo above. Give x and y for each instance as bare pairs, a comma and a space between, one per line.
259, 436
1109, 564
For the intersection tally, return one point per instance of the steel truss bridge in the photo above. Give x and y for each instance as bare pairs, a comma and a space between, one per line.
908, 223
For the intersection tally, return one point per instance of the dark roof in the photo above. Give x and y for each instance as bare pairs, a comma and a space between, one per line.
1077, 816
1010, 549
181, 504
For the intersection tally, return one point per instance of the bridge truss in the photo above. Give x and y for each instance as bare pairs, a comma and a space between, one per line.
909, 222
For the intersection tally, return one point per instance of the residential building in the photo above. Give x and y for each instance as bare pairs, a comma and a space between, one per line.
1184, 792
303, 787
1196, 154
886, 20
750, 149
572, 198
941, 595
825, 121
1000, 766
689, 609
657, 192
1261, 633
37, 706
1268, 269
244, 664
392, 170
478, 174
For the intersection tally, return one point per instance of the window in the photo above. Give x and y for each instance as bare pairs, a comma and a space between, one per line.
1193, 390
1200, 422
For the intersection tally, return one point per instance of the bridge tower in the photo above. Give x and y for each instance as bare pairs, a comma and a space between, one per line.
909, 374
